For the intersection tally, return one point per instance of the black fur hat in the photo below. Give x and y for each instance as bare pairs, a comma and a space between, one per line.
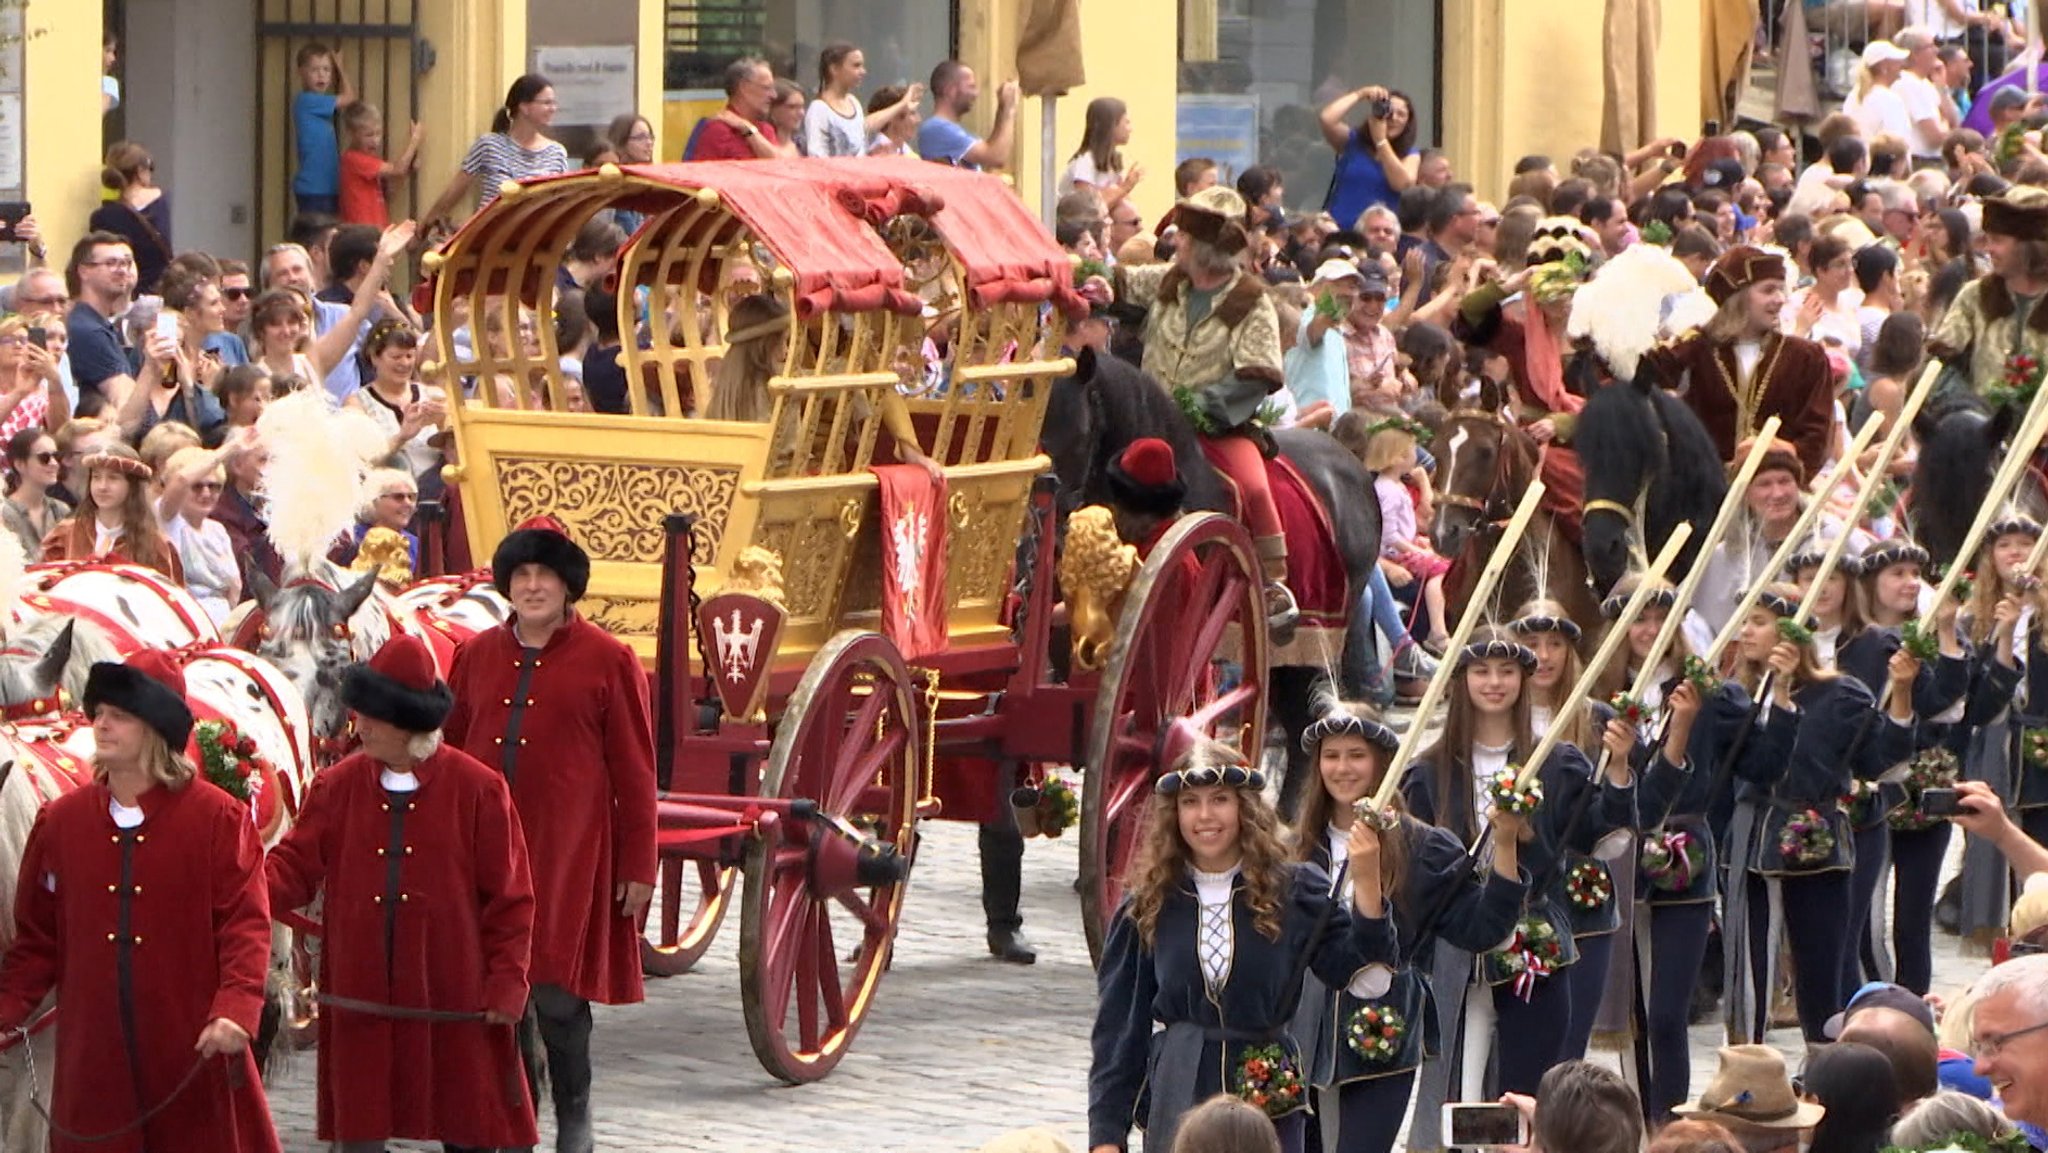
148, 686
543, 541
398, 686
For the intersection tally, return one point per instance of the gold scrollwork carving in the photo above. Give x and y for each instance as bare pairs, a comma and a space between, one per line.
850, 516
614, 510
956, 504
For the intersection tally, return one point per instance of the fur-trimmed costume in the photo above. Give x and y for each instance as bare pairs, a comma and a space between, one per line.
1984, 327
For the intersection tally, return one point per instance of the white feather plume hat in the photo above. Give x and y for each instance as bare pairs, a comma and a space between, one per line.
319, 457
1622, 309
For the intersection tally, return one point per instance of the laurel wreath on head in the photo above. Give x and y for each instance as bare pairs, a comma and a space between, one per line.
1397, 423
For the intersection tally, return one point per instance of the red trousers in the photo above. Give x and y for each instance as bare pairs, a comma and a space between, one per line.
1242, 462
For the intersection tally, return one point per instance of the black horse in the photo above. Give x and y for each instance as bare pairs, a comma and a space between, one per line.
1107, 403
1961, 443
1639, 443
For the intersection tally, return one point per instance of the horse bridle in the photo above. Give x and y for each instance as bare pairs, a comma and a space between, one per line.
1493, 508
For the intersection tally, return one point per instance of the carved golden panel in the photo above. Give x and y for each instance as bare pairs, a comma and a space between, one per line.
614, 510
622, 616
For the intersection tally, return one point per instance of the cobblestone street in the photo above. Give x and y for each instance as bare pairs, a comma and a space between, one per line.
957, 1049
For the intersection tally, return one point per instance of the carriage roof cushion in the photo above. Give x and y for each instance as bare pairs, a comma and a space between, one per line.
820, 219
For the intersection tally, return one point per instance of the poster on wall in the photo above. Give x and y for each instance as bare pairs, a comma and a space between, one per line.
593, 83
1223, 128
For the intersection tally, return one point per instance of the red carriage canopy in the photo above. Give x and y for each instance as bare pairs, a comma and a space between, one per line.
819, 218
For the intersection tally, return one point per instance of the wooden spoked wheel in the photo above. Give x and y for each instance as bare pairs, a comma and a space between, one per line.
824, 889
1190, 643
694, 896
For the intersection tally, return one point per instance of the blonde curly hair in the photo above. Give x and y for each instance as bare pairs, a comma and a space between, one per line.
1161, 862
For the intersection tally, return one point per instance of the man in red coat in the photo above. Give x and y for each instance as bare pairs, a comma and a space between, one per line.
1738, 369
428, 919
151, 978
560, 708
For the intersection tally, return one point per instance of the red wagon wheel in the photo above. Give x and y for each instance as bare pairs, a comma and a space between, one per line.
1196, 608
694, 898
824, 887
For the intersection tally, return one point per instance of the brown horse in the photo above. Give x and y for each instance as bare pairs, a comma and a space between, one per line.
1484, 463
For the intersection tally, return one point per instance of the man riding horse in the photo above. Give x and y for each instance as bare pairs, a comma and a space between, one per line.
1213, 338
1998, 316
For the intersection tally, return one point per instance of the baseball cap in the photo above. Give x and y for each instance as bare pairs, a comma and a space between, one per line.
1881, 995
1881, 52
2012, 97
1372, 281
1333, 270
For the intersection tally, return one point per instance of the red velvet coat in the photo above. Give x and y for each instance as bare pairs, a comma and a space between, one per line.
1792, 382
458, 941
578, 746
195, 948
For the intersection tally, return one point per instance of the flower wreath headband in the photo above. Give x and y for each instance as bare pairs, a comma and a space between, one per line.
1415, 428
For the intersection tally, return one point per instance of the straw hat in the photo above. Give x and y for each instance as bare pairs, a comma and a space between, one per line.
1751, 1090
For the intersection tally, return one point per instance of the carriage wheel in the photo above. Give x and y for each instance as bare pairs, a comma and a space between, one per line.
1196, 607
823, 892
694, 898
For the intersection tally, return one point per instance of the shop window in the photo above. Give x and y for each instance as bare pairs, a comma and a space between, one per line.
1255, 73
901, 41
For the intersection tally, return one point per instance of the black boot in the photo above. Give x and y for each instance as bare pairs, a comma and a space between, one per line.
565, 1029
1002, 885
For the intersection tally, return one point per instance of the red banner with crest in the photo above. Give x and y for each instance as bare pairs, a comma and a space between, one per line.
913, 542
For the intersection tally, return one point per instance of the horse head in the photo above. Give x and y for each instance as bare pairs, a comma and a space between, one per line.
33, 664
1483, 464
1959, 450
1072, 432
312, 633
1622, 449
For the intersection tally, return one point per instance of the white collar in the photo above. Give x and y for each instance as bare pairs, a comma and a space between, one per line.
398, 782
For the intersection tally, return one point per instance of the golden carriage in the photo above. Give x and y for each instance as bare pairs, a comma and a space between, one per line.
810, 771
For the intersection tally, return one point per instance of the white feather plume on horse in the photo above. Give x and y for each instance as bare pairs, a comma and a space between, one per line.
1622, 309
319, 456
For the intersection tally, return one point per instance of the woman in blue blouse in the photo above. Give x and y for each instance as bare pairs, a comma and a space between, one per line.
1376, 160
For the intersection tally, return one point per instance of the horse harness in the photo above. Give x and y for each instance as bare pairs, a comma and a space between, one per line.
1493, 508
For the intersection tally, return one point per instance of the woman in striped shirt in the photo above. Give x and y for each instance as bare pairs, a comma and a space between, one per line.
514, 149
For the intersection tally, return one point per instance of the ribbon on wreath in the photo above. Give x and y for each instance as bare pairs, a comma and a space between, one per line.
1524, 954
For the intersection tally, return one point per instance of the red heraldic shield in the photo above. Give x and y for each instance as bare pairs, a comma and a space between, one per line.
913, 559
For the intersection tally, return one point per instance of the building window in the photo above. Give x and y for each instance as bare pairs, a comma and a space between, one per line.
901, 41
1255, 73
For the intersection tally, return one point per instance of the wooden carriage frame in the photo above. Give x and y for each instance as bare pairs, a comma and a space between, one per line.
814, 793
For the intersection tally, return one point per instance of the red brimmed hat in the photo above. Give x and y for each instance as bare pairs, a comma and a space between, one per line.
544, 541
398, 686
1145, 479
1739, 268
151, 687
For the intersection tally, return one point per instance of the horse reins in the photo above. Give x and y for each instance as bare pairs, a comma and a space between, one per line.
19, 1035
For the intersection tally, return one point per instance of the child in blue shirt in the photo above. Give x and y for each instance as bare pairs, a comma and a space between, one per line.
324, 91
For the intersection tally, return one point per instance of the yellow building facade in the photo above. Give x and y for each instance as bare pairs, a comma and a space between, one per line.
1503, 78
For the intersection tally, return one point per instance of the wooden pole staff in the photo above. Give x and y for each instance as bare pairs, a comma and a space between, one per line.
1609, 648
1738, 490
2003, 481
1475, 608
1795, 538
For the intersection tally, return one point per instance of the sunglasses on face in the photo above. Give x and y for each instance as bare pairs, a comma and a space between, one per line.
44, 457
206, 486
235, 293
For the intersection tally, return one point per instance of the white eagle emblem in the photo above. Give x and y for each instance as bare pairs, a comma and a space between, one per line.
909, 537
736, 646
